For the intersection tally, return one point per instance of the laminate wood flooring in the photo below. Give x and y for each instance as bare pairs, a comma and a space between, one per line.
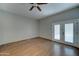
37, 47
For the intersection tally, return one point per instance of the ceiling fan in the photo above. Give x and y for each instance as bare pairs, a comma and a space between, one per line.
36, 5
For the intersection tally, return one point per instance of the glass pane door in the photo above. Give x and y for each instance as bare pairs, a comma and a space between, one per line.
69, 32
57, 32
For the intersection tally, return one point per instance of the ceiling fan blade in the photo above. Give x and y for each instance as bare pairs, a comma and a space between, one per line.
38, 8
31, 3
41, 3
31, 8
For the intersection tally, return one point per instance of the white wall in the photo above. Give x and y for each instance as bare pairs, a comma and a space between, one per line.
14, 28
45, 24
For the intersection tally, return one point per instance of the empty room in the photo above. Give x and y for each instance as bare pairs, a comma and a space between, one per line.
39, 29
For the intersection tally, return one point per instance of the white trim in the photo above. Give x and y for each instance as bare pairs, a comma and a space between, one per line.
62, 23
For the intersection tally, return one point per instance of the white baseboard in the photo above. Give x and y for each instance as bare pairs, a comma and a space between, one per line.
16, 40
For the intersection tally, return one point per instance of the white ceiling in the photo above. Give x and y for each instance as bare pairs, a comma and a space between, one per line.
47, 9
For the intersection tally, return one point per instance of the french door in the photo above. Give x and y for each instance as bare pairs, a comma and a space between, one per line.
57, 31
69, 33
64, 32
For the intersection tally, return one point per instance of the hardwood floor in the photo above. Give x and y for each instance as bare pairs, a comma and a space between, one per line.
38, 47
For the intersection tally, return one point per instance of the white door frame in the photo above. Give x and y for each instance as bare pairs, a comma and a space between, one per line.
62, 38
